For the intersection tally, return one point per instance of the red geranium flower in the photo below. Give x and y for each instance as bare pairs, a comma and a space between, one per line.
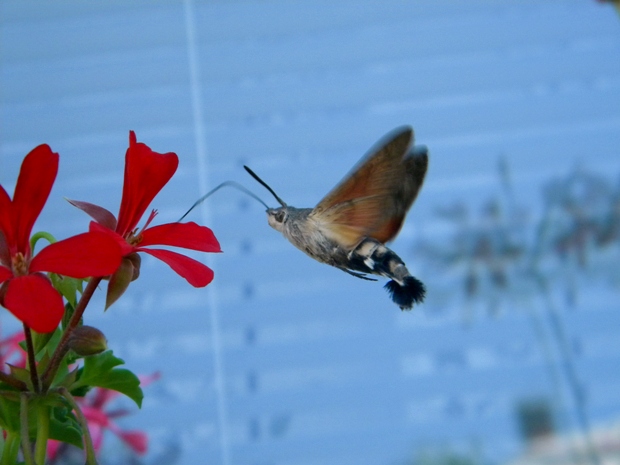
26, 291
146, 173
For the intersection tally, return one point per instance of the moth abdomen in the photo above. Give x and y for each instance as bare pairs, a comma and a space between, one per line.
371, 256
412, 291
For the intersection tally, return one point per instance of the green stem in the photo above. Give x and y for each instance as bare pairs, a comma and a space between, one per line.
41, 235
61, 349
23, 416
11, 448
91, 458
32, 363
43, 432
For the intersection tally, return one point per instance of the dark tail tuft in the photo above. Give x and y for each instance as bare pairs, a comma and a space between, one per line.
405, 296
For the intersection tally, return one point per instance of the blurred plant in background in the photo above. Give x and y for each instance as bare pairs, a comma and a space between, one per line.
445, 456
615, 3
487, 249
503, 259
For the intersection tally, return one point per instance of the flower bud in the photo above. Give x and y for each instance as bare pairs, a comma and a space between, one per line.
136, 261
86, 340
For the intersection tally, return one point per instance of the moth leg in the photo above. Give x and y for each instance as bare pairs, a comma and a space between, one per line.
357, 275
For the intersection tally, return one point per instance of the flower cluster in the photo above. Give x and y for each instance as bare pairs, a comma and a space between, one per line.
55, 284
108, 248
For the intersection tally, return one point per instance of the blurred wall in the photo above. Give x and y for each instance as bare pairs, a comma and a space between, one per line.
286, 361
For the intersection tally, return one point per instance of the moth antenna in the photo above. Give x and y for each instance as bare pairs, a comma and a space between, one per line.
255, 176
215, 189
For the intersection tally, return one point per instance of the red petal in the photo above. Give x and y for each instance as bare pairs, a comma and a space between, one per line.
52, 448
145, 380
186, 235
5, 251
33, 300
137, 440
6, 221
5, 274
96, 416
99, 214
34, 184
146, 173
126, 249
81, 256
96, 432
197, 274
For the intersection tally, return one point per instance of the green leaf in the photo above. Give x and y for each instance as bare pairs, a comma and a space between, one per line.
63, 371
59, 411
9, 413
21, 374
43, 361
45, 344
11, 448
68, 287
77, 389
54, 400
68, 379
125, 382
69, 311
9, 393
99, 364
65, 427
63, 423
40, 340
100, 370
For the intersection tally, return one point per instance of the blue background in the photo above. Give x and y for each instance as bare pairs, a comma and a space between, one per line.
283, 360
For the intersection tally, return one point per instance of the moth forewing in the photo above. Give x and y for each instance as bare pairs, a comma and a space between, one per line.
373, 199
370, 176
405, 193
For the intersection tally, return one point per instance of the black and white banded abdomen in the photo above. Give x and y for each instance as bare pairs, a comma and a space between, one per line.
371, 256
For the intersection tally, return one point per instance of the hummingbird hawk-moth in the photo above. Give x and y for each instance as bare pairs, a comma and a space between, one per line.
349, 227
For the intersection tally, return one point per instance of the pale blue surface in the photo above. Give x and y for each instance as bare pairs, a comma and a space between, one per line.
283, 360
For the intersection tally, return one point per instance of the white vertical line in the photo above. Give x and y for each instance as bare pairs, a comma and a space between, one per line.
202, 158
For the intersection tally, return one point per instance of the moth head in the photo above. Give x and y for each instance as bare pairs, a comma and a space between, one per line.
277, 217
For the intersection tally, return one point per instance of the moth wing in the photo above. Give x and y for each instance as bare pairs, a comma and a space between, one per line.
374, 197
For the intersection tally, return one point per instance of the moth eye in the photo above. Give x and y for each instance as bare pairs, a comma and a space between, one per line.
280, 217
